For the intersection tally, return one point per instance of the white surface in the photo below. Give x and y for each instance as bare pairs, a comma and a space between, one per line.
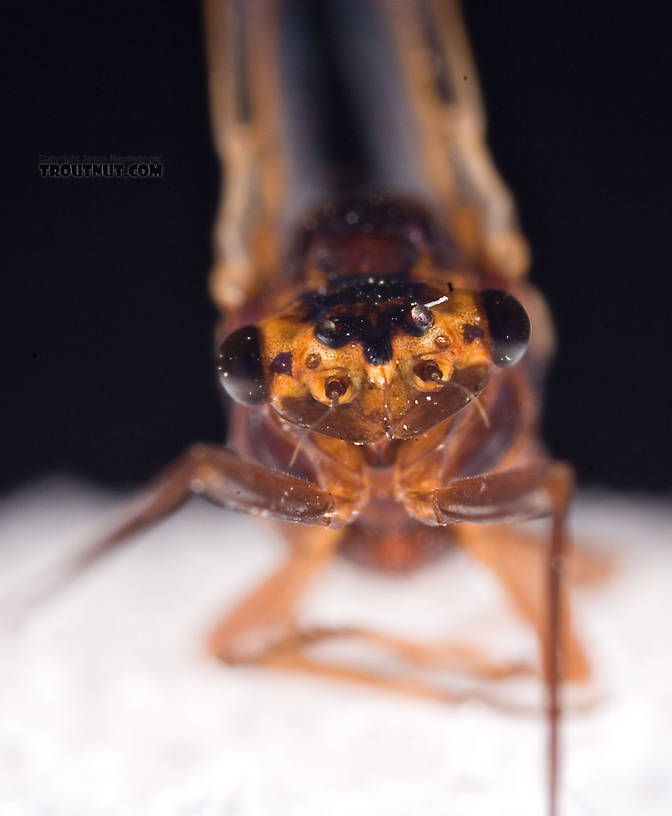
110, 706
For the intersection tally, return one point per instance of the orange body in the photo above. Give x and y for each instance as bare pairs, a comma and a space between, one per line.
384, 469
372, 279
375, 337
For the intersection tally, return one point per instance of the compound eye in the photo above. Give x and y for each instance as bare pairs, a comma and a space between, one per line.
509, 326
240, 367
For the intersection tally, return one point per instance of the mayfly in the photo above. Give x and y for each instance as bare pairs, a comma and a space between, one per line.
380, 342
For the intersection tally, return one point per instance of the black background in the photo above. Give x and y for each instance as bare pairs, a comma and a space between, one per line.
106, 351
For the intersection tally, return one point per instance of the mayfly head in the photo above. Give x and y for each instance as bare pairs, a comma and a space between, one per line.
391, 357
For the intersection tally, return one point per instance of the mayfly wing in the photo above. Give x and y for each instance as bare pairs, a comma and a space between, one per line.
442, 82
241, 45
304, 106
308, 103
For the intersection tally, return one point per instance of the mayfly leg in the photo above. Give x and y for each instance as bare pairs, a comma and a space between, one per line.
219, 475
543, 488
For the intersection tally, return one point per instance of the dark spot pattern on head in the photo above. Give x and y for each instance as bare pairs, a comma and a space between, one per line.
369, 311
471, 333
282, 363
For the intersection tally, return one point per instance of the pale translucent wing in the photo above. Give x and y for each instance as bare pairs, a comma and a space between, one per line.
314, 98
443, 85
308, 101
241, 45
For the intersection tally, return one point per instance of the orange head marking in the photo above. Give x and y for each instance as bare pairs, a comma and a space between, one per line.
391, 357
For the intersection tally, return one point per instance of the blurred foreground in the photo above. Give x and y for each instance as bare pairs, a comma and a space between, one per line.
111, 706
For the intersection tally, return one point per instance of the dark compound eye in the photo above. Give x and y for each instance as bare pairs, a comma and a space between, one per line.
509, 326
240, 367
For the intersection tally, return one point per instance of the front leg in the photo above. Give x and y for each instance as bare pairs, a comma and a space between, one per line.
222, 476
541, 488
